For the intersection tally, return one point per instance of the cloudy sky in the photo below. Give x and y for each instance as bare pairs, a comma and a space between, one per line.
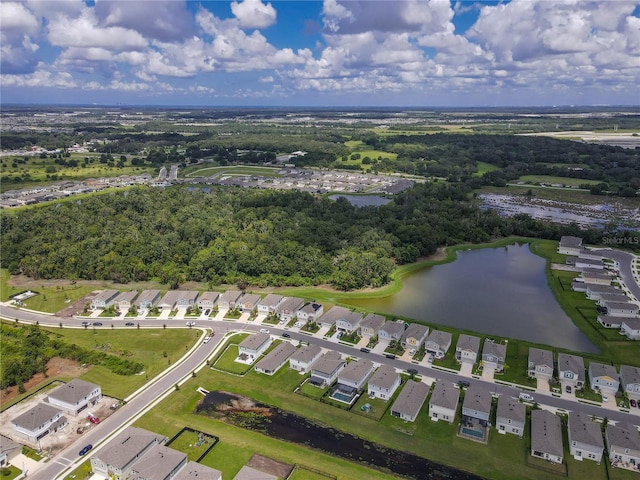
321, 53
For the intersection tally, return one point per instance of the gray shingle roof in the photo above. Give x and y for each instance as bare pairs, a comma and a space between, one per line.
445, 396
230, 296
583, 430
623, 436
334, 314
157, 463
443, 339
276, 357
546, 433
411, 398
197, 471
478, 399
632, 323
384, 377
571, 363
602, 370
417, 331
538, 356
569, 241
105, 295
630, 374
253, 342
271, 300
207, 297
36, 416
306, 354
372, 321
356, 371
148, 296
493, 348
123, 449
250, 300
126, 296
620, 306
74, 391
510, 408
392, 328
327, 363
290, 305
311, 308
468, 342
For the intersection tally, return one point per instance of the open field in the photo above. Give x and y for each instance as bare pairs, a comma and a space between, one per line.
484, 167
236, 170
558, 180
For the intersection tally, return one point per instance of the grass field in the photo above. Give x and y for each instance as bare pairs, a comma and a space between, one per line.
561, 180
483, 168
236, 170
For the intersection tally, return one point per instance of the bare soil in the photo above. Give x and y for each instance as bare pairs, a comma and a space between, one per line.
269, 465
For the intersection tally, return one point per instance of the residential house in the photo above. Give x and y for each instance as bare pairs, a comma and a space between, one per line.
438, 343
623, 444
228, 299
148, 299
124, 301
621, 309
579, 286
410, 401
494, 355
117, 458
392, 330
356, 374
467, 348
631, 328
104, 299
630, 381
546, 436
384, 382
540, 363
325, 370
476, 406
8, 451
186, 298
612, 298
596, 278
253, 346
443, 402
511, 416
158, 463
248, 302
370, 325
269, 304
197, 471
583, 262
275, 359
38, 421
589, 254
571, 370
585, 437
75, 396
168, 300
594, 291
310, 312
570, 245
304, 357
331, 317
414, 336
287, 309
348, 322
607, 321
604, 378
208, 300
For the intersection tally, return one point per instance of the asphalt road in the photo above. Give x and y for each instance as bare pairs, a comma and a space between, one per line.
624, 265
197, 357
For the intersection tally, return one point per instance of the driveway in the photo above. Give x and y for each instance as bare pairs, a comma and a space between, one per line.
543, 385
487, 373
380, 347
466, 369
221, 313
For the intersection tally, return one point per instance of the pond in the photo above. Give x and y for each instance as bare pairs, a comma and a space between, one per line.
363, 200
496, 291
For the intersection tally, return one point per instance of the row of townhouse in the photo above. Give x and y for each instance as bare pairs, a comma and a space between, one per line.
571, 371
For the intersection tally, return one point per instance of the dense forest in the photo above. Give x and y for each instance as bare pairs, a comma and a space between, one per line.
249, 237
27, 349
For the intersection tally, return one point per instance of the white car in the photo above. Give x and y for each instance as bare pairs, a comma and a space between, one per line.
207, 338
264, 330
191, 324
525, 397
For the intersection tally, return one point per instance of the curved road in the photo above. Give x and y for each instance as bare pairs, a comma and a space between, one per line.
162, 385
624, 260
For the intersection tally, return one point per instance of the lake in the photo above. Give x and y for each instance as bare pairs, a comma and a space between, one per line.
496, 291
363, 200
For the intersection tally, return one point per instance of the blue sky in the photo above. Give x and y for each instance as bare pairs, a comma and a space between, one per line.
320, 53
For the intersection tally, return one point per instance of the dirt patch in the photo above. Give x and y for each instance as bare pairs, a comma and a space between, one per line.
77, 307
268, 465
55, 367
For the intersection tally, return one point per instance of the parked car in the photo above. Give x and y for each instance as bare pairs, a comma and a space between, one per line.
286, 335
525, 397
463, 383
129, 324
633, 403
85, 449
191, 324
85, 324
97, 324
264, 330
567, 389
605, 398
207, 338
390, 355
207, 312
93, 419
365, 350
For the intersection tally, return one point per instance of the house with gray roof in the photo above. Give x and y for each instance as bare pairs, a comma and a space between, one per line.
124, 301
511, 416
39, 421
571, 370
269, 304
438, 343
356, 373
630, 381
443, 402
75, 396
104, 299
391, 330
370, 325
584, 262
159, 463
304, 357
612, 298
604, 378
248, 302
197, 471
326, 369
117, 458
476, 406
331, 316
621, 309
310, 312
8, 450
596, 278
414, 336
208, 300
540, 363
467, 348
228, 299
384, 382
594, 291
288, 308
570, 245
253, 346
585, 437
631, 328
275, 359
169, 300
623, 444
348, 322
147, 299
494, 355
607, 321
410, 401
546, 436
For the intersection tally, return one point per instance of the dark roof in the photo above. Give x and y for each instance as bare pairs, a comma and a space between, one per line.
411, 398
511, 408
582, 429
74, 391
445, 395
546, 433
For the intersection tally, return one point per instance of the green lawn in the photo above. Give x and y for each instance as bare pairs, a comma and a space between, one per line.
187, 442
483, 168
236, 170
226, 362
560, 180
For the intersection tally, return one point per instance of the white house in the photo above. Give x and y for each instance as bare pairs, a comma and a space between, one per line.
275, 359
621, 309
630, 380
325, 370
303, 359
623, 444
585, 438
310, 312
494, 355
148, 299
269, 304
546, 436
253, 346
331, 317
228, 299
288, 308
511, 416
467, 349
540, 363
356, 374
75, 396
104, 299
38, 421
370, 325
208, 300
443, 402
570, 245
384, 382
438, 343
348, 322
410, 401
603, 377
391, 330
571, 370
631, 328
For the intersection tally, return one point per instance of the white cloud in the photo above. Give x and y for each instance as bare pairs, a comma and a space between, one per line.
15, 16
254, 13
42, 77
